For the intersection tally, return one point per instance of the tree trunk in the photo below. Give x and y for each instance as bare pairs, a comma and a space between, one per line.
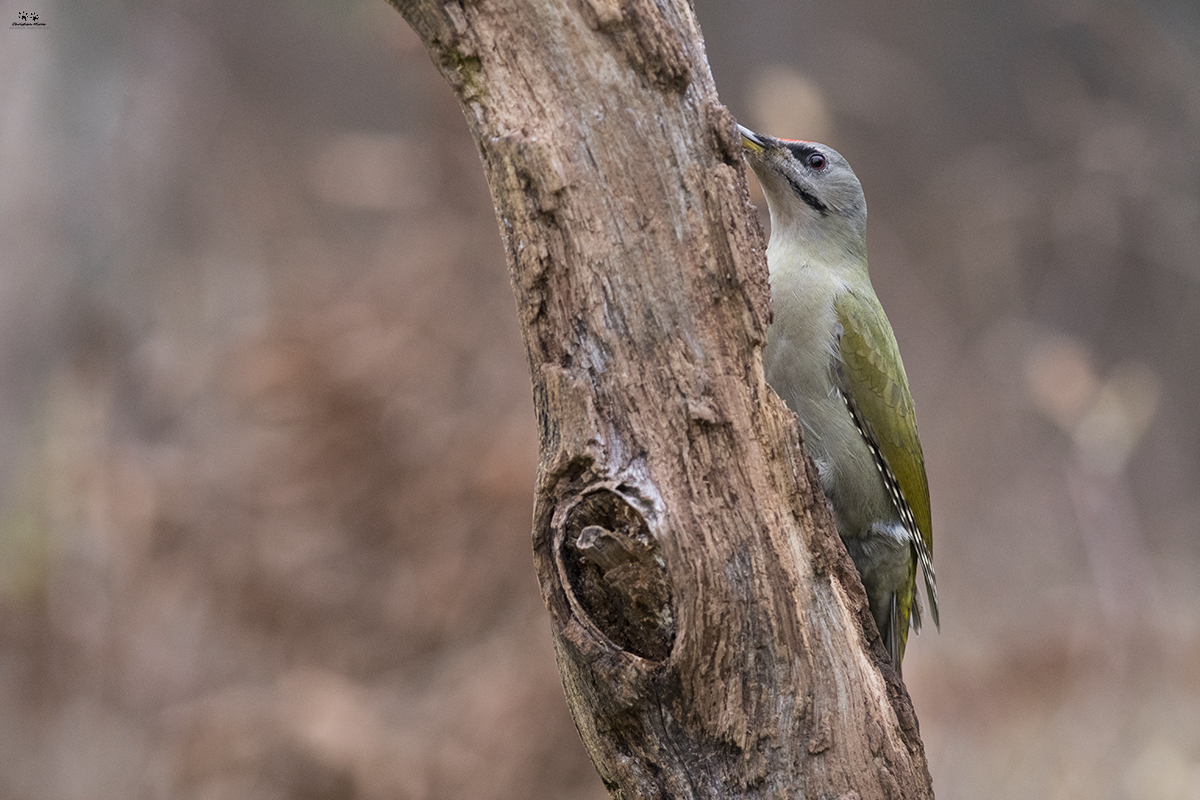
711, 631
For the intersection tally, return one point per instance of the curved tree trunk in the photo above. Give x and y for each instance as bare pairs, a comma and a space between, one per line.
711, 632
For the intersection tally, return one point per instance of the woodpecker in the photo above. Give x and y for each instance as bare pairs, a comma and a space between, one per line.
831, 355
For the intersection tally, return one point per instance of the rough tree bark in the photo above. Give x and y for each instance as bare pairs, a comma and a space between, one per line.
711, 632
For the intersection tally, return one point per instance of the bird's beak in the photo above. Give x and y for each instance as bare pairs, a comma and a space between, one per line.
751, 140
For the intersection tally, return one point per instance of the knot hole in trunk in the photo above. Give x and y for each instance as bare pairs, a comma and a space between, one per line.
613, 566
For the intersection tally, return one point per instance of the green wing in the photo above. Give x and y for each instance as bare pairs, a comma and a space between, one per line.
874, 380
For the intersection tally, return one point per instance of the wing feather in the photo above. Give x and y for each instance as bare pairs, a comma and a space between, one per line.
873, 380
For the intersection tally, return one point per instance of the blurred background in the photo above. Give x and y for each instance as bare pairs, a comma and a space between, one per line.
266, 435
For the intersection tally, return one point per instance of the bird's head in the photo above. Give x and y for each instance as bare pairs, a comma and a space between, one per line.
812, 193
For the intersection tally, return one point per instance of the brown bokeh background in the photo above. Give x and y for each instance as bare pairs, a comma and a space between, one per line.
267, 435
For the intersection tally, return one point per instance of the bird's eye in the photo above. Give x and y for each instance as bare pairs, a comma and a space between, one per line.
815, 161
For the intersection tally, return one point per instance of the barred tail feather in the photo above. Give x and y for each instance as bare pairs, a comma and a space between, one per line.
893, 637
930, 579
